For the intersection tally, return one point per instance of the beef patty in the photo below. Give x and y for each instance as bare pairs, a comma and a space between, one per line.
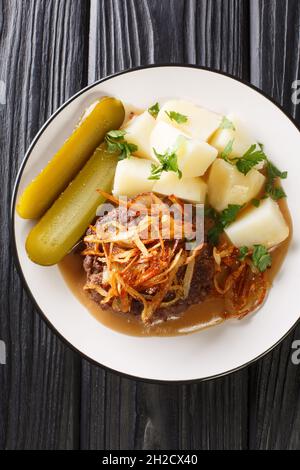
200, 289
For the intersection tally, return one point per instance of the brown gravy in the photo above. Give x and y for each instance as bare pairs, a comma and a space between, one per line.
196, 318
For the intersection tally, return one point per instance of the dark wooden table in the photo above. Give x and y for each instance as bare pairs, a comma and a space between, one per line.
49, 397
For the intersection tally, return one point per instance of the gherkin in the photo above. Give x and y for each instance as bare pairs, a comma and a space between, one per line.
68, 218
108, 114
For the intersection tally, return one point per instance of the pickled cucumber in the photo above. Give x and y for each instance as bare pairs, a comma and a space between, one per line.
108, 114
67, 219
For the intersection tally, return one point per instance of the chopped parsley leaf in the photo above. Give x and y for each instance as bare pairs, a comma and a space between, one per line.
227, 151
227, 124
174, 116
167, 162
225, 218
154, 110
272, 190
116, 143
244, 251
250, 159
261, 258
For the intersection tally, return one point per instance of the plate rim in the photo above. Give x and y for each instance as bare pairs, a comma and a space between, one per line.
12, 233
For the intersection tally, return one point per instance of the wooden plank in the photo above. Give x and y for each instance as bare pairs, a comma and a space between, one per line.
274, 407
128, 414
275, 42
108, 410
42, 56
128, 33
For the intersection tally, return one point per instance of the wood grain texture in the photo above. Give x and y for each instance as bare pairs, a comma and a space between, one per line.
126, 414
274, 413
128, 33
42, 56
275, 46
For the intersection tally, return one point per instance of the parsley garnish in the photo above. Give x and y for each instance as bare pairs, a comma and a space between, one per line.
261, 258
211, 213
229, 214
252, 157
179, 118
275, 192
214, 234
154, 110
243, 253
116, 143
227, 151
222, 220
255, 202
168, 162
227, 124
117, 135
244, 164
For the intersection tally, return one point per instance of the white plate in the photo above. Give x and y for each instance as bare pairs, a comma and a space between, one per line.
201, 355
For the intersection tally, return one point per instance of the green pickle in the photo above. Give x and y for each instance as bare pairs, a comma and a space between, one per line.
68, 218
108, 114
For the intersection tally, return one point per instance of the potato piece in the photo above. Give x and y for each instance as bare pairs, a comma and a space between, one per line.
189, 189
264, 225
242, 139
131, 177
226, 185
201, 123
138, 132
194, 156
165, 137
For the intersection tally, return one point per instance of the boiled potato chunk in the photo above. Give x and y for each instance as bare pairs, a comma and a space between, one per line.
165, 137
226, 185
189, 189
131, 177
240, 135
264, 225
138, 132
201, 123
194, 156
